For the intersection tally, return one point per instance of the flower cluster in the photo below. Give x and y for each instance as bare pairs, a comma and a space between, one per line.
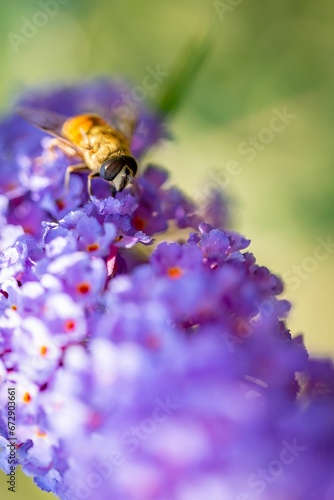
146, 371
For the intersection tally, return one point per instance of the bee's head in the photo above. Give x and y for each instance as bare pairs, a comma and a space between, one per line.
119, 170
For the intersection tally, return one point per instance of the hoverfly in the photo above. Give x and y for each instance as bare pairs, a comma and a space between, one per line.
104, 150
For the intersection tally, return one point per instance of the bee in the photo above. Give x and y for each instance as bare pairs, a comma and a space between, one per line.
103, 149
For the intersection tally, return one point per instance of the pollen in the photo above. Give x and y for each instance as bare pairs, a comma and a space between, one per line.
175, 272
60, 204
83, 287
26, 397
43, 350
40, 434
13, 307
138, 223
92, 247
70, 325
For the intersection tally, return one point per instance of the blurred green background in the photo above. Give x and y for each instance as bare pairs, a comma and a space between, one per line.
267, 56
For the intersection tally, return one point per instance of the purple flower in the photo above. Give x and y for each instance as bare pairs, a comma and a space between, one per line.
13, 260
146, 371
82, 276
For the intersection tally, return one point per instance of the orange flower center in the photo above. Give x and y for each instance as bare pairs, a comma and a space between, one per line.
60, 204
70, 325
26, 397
92, 247
83, 288
41, 434
138, 223
43, 350
175, 272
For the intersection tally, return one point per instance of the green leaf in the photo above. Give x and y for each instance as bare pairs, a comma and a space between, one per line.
185, 73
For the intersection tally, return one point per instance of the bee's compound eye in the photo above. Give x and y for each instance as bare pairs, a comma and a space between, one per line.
111, 168
130, 162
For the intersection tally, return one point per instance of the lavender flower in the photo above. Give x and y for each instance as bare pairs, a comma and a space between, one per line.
144, 371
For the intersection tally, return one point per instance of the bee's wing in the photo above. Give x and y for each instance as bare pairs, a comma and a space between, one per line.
48, 121
125, 119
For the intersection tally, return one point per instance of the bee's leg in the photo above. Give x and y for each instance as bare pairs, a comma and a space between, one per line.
49, 154
54, 144
80, 167
89, 181
86, 139
113, 190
